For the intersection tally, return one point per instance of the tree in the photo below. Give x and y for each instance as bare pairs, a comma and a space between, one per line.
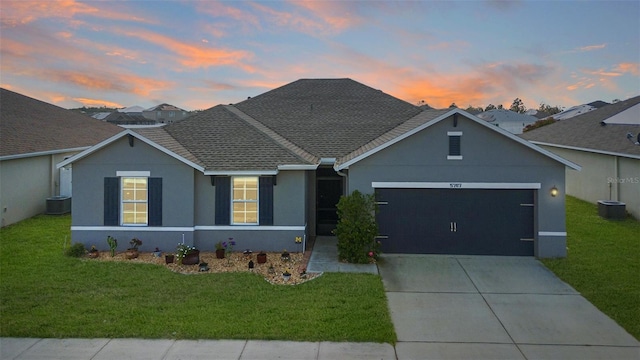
490, 107
473, 110
518, 106
453, 105
548, 109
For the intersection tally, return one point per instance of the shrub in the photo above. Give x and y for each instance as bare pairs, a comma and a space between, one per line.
76, 250
357, 228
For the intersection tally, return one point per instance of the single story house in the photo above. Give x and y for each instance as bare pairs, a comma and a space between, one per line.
34, 137
606, 142
268, 172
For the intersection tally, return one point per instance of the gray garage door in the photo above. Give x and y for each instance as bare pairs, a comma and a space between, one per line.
456, 221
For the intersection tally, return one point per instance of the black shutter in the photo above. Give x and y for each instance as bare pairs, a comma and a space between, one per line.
223, 200
266, 200
155, 201
111, 201
454, 145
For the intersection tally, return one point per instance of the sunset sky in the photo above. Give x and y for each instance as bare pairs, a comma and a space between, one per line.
197, 54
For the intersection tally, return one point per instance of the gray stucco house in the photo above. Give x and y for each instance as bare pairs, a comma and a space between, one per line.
269, 170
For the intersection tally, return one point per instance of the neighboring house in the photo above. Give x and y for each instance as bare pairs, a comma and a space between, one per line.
34, 137
509, 120
165, 114
123, 118
269, 171
598, 140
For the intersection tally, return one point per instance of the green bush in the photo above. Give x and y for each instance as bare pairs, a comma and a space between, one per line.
357, 228
76, 250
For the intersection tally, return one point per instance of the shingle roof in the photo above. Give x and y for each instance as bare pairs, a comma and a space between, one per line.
222, 141
585, 131
30, 126
164, 107
328, 118
159, 136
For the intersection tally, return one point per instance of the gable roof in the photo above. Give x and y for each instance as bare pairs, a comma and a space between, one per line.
585, 132
326, 121
163, 107
429, 118
30, 127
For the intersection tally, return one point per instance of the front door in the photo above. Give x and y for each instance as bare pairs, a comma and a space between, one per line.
329, 189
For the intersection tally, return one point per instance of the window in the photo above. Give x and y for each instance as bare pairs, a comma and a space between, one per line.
245, 200
134, 201
455, 138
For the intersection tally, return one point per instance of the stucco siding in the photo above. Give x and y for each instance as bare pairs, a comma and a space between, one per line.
603, 177
487, 157
88, 186
26, 183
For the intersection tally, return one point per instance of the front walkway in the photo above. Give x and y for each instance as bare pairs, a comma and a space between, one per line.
324, 258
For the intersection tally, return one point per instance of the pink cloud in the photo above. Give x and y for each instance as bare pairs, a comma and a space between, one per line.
631, 68
592, 47
96, 103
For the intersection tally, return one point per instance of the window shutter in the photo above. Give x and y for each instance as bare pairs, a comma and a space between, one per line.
111, 201
223, 200
454, 145
266, 200
155, 201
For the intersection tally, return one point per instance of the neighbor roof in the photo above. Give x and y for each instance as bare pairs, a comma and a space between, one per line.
164, 107
586, 132
29, 127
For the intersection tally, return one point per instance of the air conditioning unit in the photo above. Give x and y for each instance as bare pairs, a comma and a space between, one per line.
58, 205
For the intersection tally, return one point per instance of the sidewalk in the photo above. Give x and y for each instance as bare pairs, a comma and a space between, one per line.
142, 349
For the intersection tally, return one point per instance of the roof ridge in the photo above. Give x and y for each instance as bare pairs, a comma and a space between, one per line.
277, 138
175, 146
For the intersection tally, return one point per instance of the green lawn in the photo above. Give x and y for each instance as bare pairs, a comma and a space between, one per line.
46, 294
603, 262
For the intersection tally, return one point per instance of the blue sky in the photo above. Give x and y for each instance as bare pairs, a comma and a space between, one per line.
197, 54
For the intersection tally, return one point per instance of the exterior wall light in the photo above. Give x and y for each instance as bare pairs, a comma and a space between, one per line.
554, 191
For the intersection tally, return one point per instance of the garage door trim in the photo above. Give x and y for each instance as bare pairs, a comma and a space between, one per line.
452, 185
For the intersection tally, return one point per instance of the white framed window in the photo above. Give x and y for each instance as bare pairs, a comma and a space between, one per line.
244, 200
455, 140
134, 197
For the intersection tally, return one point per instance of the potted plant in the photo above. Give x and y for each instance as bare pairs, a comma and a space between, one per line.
285, 255
262, 257
219, 250
132, 252
93, 253
113, 244
286, 275
157, 253
187, 255
168, 259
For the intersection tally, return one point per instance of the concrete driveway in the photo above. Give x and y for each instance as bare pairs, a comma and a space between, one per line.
486, 307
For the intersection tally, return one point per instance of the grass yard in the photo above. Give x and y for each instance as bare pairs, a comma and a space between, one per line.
603, 262
46, 294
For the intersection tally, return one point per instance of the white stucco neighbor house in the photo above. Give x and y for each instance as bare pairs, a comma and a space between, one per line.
606, 143
34, 137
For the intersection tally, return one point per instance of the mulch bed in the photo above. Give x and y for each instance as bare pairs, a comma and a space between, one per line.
237, 262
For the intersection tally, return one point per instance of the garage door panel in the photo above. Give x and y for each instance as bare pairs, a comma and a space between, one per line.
461, 221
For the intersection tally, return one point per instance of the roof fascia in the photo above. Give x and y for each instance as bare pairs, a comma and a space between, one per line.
297, 167
577, 148
241, 172
112, 139
470, 117
42, 153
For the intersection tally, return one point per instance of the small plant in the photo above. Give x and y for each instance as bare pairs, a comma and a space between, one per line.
228, 248
285, 255
219, 246
113, 244
135, 242
76, 250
